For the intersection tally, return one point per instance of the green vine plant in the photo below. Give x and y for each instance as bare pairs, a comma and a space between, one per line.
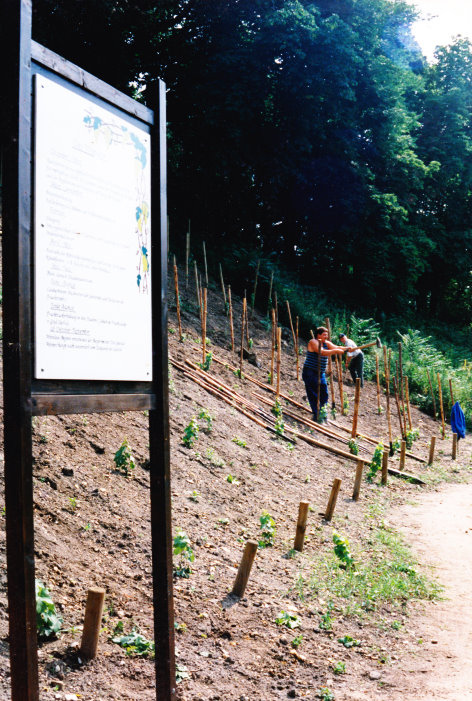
184, 551
341, 550
376, 462
204, 415
190, 433
48, 623
268, 530
124, 459
353, 446
411, 436
207, 363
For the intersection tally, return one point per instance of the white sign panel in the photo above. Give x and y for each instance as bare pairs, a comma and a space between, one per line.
92, 240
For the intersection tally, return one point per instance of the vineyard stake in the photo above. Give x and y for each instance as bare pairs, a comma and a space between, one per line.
197, 288
378, 383
293, 332
330, 367
92, 622
400, 385
358, 480
244, 570
384, 467
272, 357
187, 254
205, 263
253, 298
276, 307
450, 390
332, 500
231, 327
298, 355
318, 381
402, 456
454, 446
357, 398
243, 314
177, 298
247, 322
269, 301
387, 388
431, 450
340, 383
204, 324
279, 358
407, 397
398, 408
432, 394
301, 526
441, 406
223, 288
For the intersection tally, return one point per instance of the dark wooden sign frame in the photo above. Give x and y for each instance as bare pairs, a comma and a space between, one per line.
25, 396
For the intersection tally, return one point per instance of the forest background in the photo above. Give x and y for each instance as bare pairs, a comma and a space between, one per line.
311, 140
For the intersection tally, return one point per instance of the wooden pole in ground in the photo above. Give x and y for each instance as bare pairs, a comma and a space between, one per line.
431, 450
301, 526
297, 350
247, 323
197, 290
318, 383
441, 407
330, 367
402, 456
205, 263
450, 390
243, 314
187, 254
377, 375
177, 297
269, 301
407, 397
272, 356
454, 446
231, 327
276, 307
340, 383
92, 622
387, 389
358, 480
432, 394
400, 385
384, 467
397, 401
204, 324
244, 570
332, 500
357, 398
279, 357
223, 287
253, 298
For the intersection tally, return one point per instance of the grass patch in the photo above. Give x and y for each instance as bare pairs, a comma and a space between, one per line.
385, 573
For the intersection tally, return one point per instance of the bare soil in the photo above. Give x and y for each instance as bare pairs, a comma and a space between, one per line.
92, 529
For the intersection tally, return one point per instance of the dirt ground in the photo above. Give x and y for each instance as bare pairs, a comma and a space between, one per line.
92, 529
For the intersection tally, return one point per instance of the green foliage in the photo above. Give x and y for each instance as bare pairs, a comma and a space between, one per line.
214, 458
376, 462
181, 673
287, 619
232, 479
182, 549
341, 550
268, 530
135, 644
353, 446
239, 441
191, 433
411, 436
325, 694
348, 641
194, 495
48, 623
323, 414
207, 363
123, 458
326, 622
204, 415
339, 668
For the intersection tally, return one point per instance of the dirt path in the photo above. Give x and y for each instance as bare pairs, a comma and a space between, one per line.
440, 530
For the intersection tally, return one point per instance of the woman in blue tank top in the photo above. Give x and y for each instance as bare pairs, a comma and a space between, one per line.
314, 369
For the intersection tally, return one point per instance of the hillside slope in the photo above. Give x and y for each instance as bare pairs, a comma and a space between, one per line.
92, 529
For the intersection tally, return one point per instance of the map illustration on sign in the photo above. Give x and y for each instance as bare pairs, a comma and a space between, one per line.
92, 240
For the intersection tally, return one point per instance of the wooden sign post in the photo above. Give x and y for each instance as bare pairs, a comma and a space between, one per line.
50, 366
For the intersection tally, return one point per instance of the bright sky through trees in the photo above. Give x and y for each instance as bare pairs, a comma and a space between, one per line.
448, 18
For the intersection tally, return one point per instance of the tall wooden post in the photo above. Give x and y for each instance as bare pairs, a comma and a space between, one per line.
301, 526
357, 398
432, 394
387, 390
431, 450
358, 480
441, 407
231, 327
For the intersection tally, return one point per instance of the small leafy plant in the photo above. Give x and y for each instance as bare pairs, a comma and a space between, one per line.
348, 641
135, 644
297, 641
325, 694
326, 622
323, 414
353, 446
194, 495
345, 405
376, 462
341, 550
207, 362
123, 458
184, 551
239, 441
232, 479
333, 413
411, 436
48, 623
339, 668
204, 415
190, 433
289, 620
268, 530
